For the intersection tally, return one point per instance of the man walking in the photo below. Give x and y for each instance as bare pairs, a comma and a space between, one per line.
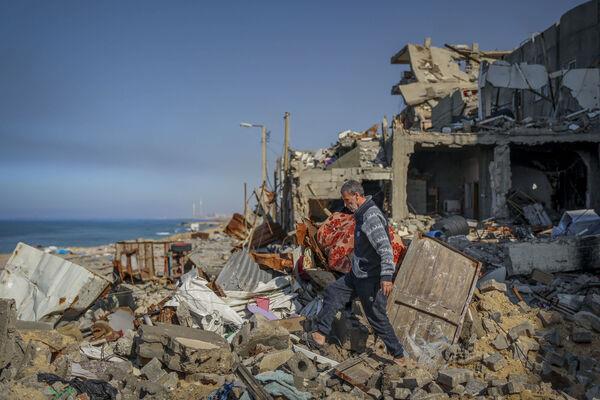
371, 276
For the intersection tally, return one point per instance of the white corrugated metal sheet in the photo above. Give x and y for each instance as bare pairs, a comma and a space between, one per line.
44, 286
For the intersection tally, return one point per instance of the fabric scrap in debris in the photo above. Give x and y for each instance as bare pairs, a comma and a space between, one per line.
336, 238
94, 388
279, 383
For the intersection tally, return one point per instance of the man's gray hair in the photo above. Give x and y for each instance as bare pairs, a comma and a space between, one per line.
352, 186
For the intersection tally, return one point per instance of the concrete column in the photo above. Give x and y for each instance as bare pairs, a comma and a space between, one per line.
402, 148
500, 180
485, 158
592, 163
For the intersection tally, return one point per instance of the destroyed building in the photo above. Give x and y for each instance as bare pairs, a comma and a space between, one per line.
482, 134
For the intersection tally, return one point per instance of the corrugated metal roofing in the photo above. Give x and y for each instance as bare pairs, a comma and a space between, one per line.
241, 272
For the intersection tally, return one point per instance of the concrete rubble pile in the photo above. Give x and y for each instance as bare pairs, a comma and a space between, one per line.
236, 333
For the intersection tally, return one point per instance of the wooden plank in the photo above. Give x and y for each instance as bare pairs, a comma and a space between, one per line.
428, 307
358, 371
431, 293
253, 386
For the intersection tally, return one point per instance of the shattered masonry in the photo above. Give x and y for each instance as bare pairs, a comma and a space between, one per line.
491, 177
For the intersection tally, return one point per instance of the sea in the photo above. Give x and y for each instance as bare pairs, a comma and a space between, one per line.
84, 233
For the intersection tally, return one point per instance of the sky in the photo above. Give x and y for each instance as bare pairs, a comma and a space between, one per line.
131, 109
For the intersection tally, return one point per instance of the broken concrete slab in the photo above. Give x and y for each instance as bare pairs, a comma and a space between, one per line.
549, 318
153, 370
272, 361
451, 377
302, 366
259, 333
524, 328
490, 285
559, 255
495, 362
8, 333
498, 274
185, 349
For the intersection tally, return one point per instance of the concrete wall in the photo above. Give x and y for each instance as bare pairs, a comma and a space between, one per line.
573, 42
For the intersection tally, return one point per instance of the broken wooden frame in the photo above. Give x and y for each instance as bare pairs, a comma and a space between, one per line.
141, 259
431, 294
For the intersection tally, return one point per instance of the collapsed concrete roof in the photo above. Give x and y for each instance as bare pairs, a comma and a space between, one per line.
437, 72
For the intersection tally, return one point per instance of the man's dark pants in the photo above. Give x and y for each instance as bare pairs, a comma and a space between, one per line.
374, 303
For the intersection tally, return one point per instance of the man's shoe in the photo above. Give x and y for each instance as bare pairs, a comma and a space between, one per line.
308, 339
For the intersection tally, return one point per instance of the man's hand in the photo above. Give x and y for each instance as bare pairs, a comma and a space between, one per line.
386, 287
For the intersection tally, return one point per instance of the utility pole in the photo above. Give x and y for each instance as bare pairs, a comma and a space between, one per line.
245, 201
286, 142
285, 192
263, 139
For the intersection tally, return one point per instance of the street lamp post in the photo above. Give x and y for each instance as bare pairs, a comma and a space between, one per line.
263, 142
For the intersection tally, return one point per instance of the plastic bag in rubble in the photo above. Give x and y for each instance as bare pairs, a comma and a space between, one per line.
94, 388
206, 309
428, 353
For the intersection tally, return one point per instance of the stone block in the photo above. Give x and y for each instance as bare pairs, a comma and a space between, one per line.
524, 328
153, 370
497, 382
554, 358
374, 393
169, 381
501, 343
494, 392
401, 393
514, 387
592, 303
490, 326
491, 285
588, 320
434, 388
255, 333
451, 377
416, 379
124, 346
549, 318
587, 363
559, 378
272, 361
301, 366
581, 335
495, 362
8, 333
457, 390
185, 349
521, 378
522, 347
496, 316
475, 387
